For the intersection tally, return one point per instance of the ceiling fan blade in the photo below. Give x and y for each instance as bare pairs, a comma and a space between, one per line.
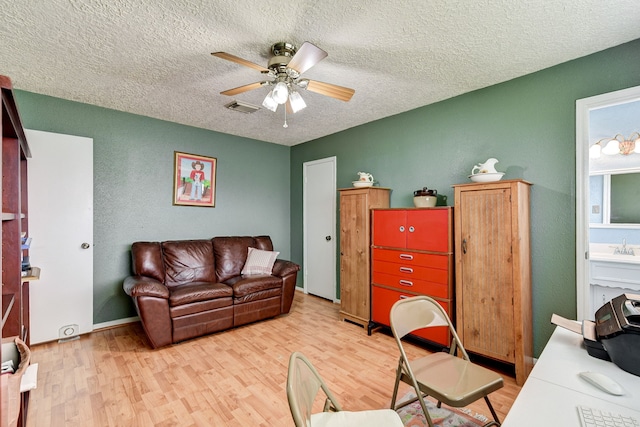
240, 61
242, 89
328, 89
306, 57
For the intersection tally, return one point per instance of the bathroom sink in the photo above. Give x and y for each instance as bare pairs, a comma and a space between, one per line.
604, 256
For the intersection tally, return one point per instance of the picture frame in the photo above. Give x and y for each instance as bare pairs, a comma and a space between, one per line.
194, 180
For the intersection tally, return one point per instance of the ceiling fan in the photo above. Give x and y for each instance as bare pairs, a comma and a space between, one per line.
284, 70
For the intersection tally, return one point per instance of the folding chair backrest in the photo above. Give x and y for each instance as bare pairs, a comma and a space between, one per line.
410, 314
303, 384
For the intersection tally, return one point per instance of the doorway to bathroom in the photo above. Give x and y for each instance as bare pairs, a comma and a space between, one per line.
607, 198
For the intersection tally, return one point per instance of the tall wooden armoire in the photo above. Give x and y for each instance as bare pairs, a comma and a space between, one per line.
493, 272
355, 247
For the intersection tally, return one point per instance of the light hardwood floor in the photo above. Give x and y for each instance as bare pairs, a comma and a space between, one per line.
233, 378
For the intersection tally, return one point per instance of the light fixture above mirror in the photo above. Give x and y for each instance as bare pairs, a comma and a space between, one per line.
616, 145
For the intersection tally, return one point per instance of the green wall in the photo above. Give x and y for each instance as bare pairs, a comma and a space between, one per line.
528, 124
133, 175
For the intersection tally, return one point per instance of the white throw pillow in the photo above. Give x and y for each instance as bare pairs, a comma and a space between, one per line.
259, 262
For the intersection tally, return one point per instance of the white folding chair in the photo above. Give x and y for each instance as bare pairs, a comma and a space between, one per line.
449, 379
303, 384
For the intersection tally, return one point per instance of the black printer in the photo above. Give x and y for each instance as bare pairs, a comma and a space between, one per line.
615, 334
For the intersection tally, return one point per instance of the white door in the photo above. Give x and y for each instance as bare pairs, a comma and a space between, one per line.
319, 201
60, 180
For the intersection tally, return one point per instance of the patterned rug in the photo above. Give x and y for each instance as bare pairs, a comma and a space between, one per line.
412, 415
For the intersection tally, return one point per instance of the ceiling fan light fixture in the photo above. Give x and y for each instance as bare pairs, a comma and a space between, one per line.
296, 102
269, 103
280, 93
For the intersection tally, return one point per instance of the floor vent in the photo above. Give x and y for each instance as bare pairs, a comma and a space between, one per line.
68, 333
242, 107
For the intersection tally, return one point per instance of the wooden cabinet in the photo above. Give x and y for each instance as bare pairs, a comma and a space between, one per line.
355, 232
493, 272
15, 288
412, 255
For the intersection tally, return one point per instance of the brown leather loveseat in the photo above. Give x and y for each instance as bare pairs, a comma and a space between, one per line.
187, 288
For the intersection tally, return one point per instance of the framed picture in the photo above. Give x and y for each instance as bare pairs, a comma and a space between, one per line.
194, 180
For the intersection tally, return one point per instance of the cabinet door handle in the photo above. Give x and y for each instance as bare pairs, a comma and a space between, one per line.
406, 269
406, 283
406, 256
464, 246
402, 228
411, 229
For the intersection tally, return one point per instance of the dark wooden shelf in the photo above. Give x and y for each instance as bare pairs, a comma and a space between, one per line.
14, 208
7, 305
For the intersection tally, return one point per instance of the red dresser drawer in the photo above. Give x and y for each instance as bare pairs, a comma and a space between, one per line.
422, 280
382, 300
411, 284
412, 258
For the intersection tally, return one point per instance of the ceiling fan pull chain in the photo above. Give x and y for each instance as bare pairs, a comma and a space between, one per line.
285, 125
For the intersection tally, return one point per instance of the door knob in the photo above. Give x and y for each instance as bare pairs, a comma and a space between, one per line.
85, 245
328, 238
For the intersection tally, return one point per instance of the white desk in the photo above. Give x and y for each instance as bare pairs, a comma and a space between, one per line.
553, 390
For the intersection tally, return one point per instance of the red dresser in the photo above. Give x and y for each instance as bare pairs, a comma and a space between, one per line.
412, 254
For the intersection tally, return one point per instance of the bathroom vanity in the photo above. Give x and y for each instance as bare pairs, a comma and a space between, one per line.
612, 274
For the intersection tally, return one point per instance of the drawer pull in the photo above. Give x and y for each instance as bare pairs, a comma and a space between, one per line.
406, 256
406, 269
406, 283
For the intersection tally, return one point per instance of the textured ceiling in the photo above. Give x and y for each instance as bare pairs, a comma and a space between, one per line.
153, 57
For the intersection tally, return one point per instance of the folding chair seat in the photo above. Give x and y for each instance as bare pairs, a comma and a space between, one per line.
449, 378
303, 385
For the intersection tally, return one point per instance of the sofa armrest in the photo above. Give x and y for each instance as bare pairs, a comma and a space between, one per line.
151, 299
289, 272
283, 268
142, 286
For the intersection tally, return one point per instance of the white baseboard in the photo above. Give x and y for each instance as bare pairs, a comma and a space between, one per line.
114, 323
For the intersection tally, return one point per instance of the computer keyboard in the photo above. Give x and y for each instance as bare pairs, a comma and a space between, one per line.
592, 417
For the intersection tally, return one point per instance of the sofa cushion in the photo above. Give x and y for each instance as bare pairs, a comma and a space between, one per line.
231, 255
263, 242
186, 294
188, 261
200, 307
259, 262
245, 285
147, 260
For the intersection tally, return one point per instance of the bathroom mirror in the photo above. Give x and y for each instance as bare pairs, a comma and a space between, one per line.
625, 192
613, 199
